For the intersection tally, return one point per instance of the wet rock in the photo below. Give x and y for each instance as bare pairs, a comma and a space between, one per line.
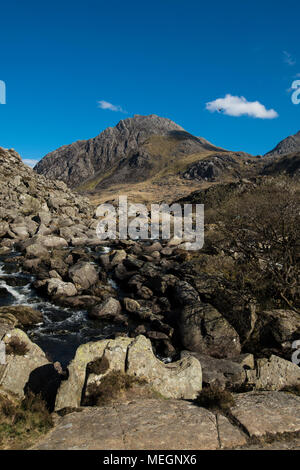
83, 275
133, 264
121, 272
79, 301
105, 262
117, 257
144, 293
57, 287
6, 295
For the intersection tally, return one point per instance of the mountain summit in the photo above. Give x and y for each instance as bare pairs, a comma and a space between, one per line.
133, 150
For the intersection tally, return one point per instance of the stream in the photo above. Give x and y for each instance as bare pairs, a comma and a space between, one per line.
63, 329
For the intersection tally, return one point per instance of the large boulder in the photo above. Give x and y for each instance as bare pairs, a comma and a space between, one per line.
110, 309
149, 424
135, 357
203, 329
238, 308
24, 314
274, 374
83, 274
16, 372
70, 391
37, 250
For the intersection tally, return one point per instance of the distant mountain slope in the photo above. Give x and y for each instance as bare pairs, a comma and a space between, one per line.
287, 146
134, 150
287, 164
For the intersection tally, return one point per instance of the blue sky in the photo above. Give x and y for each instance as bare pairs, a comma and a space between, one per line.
167, 57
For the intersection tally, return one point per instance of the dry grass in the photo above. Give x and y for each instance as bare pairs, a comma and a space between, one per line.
99, 366
16, 347
21, 423
117, 386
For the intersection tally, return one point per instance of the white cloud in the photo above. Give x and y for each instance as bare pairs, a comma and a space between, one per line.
106, 105
288, 58
239, 106
30, 162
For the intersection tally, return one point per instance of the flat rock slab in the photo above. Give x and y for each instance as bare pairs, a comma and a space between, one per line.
145, 424
267, 413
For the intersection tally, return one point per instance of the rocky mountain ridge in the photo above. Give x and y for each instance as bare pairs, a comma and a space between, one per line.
287, 146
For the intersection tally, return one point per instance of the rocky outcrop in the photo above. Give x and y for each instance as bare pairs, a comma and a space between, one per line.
83, 275
143, 425
218, 166
176, 425
202, 328
135, 357
276, 328
181, 379
110, 309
